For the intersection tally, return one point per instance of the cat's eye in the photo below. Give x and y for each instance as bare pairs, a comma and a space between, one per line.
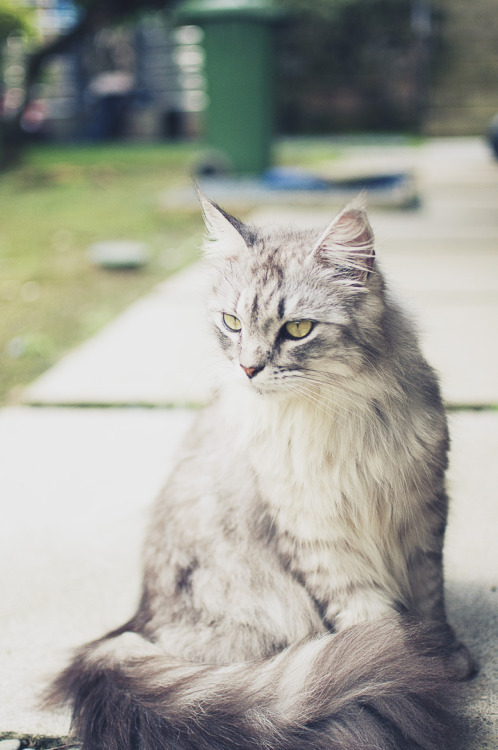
231, 322
298, 329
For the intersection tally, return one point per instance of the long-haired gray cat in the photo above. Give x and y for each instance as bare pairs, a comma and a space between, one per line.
293, 567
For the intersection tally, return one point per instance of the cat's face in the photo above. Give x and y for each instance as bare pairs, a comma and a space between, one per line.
285, 305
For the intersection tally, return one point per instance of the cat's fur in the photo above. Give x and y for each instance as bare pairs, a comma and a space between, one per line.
299, 540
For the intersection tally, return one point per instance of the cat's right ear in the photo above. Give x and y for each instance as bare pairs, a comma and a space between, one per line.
348, 243
223, 239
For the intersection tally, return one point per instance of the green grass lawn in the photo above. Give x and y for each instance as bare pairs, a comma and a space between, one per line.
62, 199
53, 206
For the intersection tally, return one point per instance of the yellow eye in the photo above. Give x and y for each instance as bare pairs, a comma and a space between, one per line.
231, 322
298, 329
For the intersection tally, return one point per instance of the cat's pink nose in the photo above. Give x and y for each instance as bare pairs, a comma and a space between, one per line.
251, 371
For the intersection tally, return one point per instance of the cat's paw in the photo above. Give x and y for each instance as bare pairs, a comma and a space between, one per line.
460, 663
127, 645
364, 606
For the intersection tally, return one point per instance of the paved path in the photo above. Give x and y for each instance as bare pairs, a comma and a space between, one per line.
76, 483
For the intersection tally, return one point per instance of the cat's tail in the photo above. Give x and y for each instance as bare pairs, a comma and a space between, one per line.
377, 686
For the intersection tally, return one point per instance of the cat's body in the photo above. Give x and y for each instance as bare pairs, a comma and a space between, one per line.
308, 501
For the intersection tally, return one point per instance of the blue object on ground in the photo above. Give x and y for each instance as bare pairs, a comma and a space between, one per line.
285, 178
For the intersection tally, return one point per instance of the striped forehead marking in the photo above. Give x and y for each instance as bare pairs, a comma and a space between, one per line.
265, 304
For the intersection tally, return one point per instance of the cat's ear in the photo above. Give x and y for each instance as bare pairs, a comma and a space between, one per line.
223, 239
348, 243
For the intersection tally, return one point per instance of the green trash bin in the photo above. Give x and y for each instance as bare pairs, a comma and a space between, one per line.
238, 44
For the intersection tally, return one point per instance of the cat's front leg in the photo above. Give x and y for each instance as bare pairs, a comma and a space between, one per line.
427, 590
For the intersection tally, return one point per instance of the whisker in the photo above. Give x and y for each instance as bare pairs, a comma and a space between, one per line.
325, 407
357, 411
342, 384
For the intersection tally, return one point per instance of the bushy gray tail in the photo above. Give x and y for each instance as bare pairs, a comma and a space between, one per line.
377, 686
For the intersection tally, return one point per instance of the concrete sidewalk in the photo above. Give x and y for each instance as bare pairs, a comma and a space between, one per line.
77, 483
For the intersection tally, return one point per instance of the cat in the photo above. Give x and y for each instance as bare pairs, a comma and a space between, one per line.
293, 587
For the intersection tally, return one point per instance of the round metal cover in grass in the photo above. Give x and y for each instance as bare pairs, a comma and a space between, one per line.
119, 254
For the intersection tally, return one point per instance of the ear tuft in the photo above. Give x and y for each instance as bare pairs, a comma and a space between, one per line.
348, 244
223, 239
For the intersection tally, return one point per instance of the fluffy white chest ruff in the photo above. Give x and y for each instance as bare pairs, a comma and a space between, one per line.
320, 479
312, 468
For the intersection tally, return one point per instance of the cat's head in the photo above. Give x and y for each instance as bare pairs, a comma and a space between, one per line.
293, 308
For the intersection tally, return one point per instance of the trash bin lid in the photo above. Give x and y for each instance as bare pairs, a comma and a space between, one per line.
199, 11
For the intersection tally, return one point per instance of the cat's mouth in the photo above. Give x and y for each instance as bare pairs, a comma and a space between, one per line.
260, 382
264, 388
268, 386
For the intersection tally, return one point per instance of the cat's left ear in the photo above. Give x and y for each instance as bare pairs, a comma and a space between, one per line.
348, 243
223, 239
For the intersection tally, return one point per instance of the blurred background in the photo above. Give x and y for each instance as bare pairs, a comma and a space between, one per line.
106, 105
93, 71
